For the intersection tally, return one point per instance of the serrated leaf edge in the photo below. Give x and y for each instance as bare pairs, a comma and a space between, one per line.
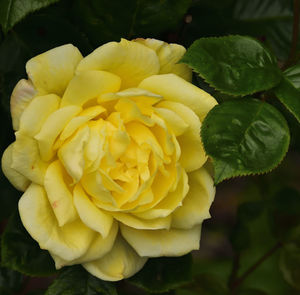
250, 173
235, 94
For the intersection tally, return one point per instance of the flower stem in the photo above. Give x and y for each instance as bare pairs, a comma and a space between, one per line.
233, 285
293, 52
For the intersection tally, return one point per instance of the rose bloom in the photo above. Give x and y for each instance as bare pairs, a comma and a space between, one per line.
109, 155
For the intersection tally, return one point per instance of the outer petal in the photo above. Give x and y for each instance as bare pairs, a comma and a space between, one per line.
70, 241
192, 152
98, 248
135, 222
88, 85
37, 112
197, 202
51, 71
120, 263
92, 216
131, 61
18, 180
174, 88
169, 55
71, 154
59, 194
52, 127
21, 96
26, 159
155, 243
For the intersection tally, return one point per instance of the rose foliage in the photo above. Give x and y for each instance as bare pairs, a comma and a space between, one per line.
109, 156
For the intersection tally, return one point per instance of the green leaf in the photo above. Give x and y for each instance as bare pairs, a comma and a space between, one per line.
246, 214
290, 260
163, 274
10, 281
75, 280
136, 18
288, 91
284, 210
269, 20
234, 65
12, 11
244, 137
208, 284
251, 292
21, 253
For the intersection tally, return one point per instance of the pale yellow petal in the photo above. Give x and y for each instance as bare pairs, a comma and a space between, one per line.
51, 71
130, 93
94, 150
78, 121
120, 263
93, 185
173, 121
20, 98
18, 180
141, 224
98, 248
131, 112
196, 205
156, 243
26, 159
174, 88
36, 113
59, 194
70, 241
88, 85
71, 153
192, 152
131, 61
172, 200
93, 217
169, 57
52, 127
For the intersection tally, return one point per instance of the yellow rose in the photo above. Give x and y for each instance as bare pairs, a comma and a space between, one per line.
109, 155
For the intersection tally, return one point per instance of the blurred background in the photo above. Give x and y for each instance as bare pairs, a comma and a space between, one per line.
251, 215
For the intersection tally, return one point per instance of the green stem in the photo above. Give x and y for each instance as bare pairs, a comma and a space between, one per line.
252, 268
234, 270
293, 51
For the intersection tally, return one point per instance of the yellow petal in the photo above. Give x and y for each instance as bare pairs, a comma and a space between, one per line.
172, 200
174, 88
89, 85
37, 112
19, 100
59, 194
131, 112
91, 216
169, 55
93, 185
98, 248
26, 159
156, 243
192, 152
78, 121
130, 93
52, 127
71, 153
138, 223
19, 181
131, 61
51, 71
196, 205
94, 150
70, 241
120, 263
173, 121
